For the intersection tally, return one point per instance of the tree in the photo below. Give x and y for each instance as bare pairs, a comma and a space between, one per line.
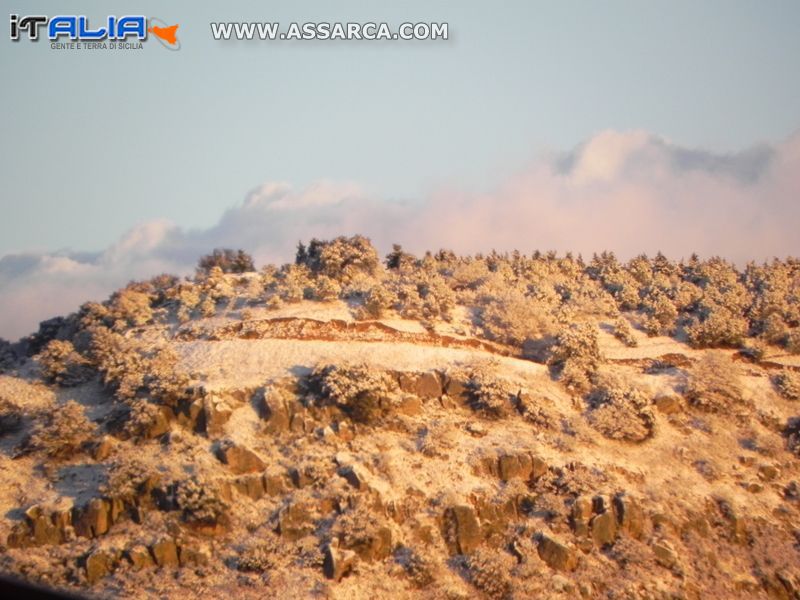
227, 259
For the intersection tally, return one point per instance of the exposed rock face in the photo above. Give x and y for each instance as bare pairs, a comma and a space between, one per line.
461, 529
239, 459
99, 564
338, 563
557, 554
165, 553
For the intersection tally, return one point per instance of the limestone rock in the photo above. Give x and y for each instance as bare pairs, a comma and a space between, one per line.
462, 530
165, 553
239, 459
557, 554
338, 563
99, 564
139, 556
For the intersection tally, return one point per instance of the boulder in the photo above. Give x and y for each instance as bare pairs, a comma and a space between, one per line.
99, 564
665, 554
296, 521
604, 529
191, 555
93, 519
557, 554
239, 459
251, 485
216, 412
462, 530
165, 553
338, 563
630, 516
669, 404
139, 556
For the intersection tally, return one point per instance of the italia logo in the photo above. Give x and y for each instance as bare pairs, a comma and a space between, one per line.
77, 28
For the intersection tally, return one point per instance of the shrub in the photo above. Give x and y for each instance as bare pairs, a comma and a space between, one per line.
792, 434
342, 258
61, 432
417, 566
513, 318
577, 355
359, 390
228, 260
119, 360
61, 364
130, 478
258, 557
719, 327
488, 573
620, 411
200, 501
378, 301
624, 333
489, 395
714, 384
788, 384
130, 308
326, 289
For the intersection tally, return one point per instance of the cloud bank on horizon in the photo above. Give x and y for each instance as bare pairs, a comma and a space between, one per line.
629, 192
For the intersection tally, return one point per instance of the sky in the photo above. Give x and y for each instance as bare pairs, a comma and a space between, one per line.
576, 125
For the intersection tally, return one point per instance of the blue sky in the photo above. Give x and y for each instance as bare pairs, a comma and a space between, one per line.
93, 143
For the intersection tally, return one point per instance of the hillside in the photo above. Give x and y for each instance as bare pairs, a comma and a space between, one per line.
500, 426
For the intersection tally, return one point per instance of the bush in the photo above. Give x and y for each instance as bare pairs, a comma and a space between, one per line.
719, 327
788, 384
377, 302
258, 557
228, 260
577, 355
130, 308
359, 390
488, 573
714, 384
490, 396
624, 333
61, 364
620, 412
326, 289
11, 416
200, 501
61, 432
342, 259
130, 478
513, 318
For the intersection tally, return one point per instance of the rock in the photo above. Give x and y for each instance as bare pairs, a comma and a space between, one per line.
669, 404
476, 429
338, 563
93, 519
239, 459
139, 557
409, 405
189, 555
99, 564
581, 513
458, 390
630, 516
355, 475
274, 484
556, 554
295, 521
428, 385
539, 467
216, 412
251, 485
604, 529
375, 545
665, 554
754, 487
768, 472
103, 449
165, 553
462, 530
511, 466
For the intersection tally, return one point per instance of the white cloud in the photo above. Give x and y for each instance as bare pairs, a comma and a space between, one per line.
629, 192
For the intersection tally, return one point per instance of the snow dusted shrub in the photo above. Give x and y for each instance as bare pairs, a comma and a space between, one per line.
61, 364
200, 501
130, 308
489, 574
714, 384
61, 432
342, 259
227, 260
576, 354
294, 283
620, 411
788, 384
359, 390
661, 313
717, 327
514, 318
11, 416
326, 289
490, 396
378, 301
119, 361
130, 478
624, 333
